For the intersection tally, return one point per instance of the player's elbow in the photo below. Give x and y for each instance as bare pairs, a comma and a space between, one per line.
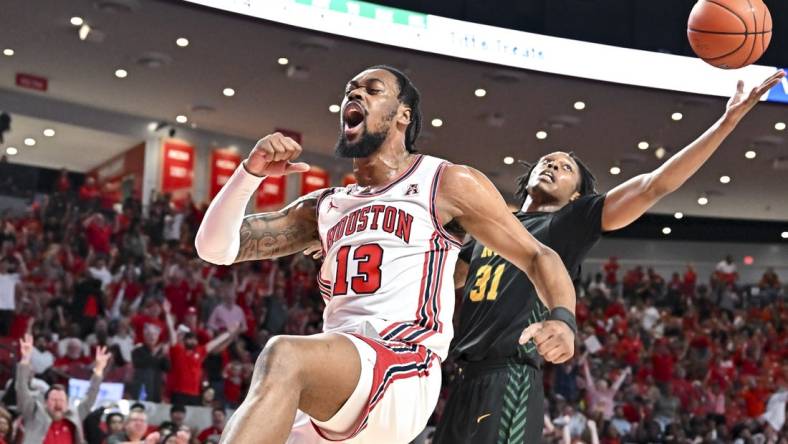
210, 253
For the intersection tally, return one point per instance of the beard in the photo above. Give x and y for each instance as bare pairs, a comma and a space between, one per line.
368, 142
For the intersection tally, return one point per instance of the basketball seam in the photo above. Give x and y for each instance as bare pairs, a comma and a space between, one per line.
730, 33
763, 37
745, 30
754, 39
727, 54
734, 14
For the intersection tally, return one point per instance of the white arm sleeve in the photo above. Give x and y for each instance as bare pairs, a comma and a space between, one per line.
218, 237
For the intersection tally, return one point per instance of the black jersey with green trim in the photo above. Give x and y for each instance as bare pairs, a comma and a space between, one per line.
499, 300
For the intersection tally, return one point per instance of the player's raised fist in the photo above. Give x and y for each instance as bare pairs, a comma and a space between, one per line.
273, 155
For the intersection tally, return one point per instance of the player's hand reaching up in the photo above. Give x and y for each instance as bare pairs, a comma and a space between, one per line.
739, 105
554, 340
273, 156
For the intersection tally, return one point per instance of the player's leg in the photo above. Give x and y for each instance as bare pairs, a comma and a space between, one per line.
522, 410
473, 410
315, 374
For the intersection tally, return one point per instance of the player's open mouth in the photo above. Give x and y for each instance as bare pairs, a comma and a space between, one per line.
353, 119
548, 175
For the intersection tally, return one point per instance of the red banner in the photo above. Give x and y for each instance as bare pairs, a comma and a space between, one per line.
349, 179
121, 176
223, 164
313, 180
177, 168
271, 193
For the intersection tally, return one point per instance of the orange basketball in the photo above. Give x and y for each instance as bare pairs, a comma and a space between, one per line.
729, 34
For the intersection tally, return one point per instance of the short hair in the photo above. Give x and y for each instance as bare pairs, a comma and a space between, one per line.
109, 417
177, 408
410, 96
54, 387
586, 186
137, 406
219, 409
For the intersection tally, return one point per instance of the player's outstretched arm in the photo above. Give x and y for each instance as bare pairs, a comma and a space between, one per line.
467, 196
225, 236
628, 201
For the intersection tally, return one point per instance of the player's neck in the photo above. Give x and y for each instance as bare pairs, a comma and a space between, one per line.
534, 205
382, 167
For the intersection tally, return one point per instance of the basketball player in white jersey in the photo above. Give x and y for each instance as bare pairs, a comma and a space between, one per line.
389, 245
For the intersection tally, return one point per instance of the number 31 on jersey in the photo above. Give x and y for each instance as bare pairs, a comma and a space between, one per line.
483, 288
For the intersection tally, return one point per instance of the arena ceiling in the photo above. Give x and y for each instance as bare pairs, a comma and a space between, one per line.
165, 80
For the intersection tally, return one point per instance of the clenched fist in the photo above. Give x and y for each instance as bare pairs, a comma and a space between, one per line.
554, 340
272, 156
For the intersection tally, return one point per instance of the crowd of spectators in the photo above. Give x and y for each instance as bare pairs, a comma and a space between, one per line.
674, 360
658, 360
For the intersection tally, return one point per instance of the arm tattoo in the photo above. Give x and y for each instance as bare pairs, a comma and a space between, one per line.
280, 233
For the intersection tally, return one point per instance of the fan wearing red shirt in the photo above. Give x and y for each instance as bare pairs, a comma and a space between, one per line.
662, 360
89, 191
186, 357
755, 398
63, 183
98, 233
178, 293
218, 418
611, 271
151, 314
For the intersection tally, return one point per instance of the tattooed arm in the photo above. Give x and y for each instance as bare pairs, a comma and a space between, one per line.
280, 233
225, 236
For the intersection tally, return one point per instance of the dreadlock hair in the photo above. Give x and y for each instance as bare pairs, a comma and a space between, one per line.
410, 96
586, 186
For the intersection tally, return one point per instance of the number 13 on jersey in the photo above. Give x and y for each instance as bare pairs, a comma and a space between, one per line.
369, 258
480, 290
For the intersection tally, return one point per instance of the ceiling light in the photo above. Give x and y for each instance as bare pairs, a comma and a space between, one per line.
8, 52
643, 145
779, 126
480, 92
660, 152
437, 123
181, 118
703, 200
283, 61
11, 151
182, 42
666, 231
334, 108
30, 141
750, 154
615, 170
677, 116
229, 92
678, 215
541, 135
580, 105
725, 179
508, 160
77, 21
84, 30
783, 235
121, 73
153, 126
49, 132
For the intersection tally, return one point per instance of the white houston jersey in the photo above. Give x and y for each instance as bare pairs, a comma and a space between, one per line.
388, 263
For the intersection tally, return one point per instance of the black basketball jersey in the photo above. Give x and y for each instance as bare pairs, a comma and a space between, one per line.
499, 300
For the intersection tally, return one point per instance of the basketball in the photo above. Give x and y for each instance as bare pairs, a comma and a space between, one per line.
729, 34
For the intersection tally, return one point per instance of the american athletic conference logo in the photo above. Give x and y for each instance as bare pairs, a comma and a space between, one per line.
413, 189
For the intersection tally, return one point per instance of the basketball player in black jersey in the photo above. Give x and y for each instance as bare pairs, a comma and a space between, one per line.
505, 334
